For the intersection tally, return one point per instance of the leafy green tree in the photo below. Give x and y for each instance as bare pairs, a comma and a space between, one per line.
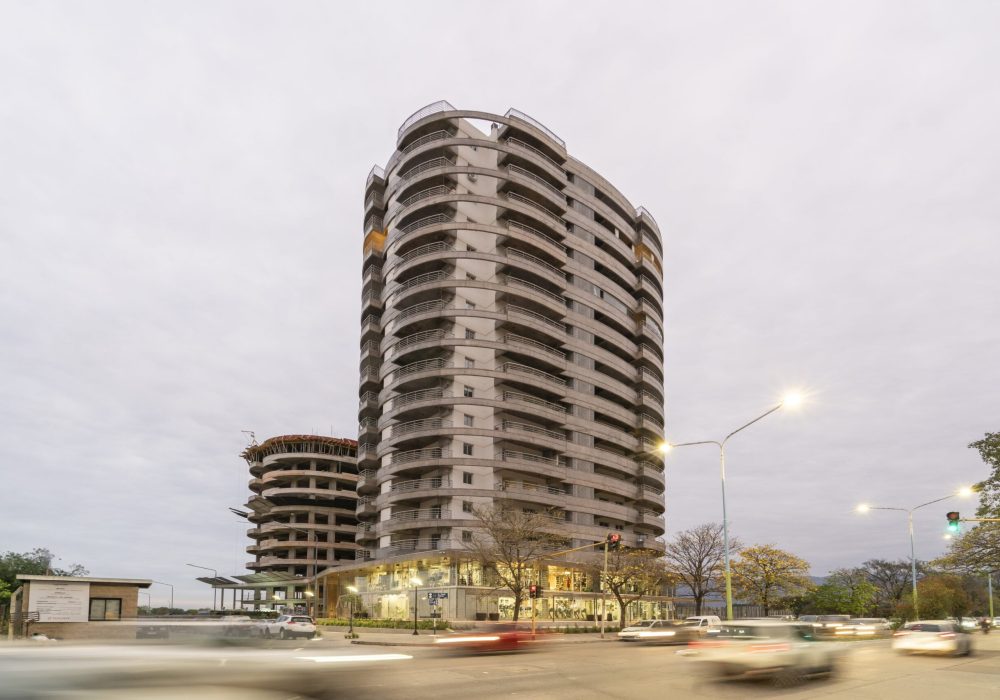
940, 596
764, 574
837, 598
975, 551
989, 488
38, 562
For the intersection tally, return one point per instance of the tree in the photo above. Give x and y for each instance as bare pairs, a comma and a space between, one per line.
38, 562
989, 488
939, 595
838, 598
633, 574
695, 558
764, 573
976, 551
891, 580
511, 542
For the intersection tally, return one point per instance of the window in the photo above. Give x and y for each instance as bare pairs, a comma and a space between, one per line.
466, 536
466, 477
469, 363
466, 449
468, 392
470, 334
105, 608
467, 420
466, 506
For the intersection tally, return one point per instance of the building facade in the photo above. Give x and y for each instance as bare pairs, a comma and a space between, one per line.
303, 510
511, 342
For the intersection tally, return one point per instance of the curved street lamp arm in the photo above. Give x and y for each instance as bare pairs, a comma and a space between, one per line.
700, 442
901, 510
761, 416
936, 500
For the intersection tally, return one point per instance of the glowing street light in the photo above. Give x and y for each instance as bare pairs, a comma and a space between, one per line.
790, 401
963, 492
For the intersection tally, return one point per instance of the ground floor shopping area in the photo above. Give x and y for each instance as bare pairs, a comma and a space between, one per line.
450, 588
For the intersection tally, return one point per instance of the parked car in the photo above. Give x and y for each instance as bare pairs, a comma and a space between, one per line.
785, 651
659, 632
932, 637
290, 626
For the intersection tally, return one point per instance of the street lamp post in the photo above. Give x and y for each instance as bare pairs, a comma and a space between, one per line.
214, 573
864, 508
171, 593
789, 401
416, 587
353, 591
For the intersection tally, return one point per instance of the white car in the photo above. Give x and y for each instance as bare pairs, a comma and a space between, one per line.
932, 637
704, 624
784, 651
289, 626
658, 631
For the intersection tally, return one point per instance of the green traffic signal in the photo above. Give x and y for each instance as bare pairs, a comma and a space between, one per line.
954, 523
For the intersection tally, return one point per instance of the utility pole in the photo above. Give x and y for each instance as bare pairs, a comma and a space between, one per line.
604, 580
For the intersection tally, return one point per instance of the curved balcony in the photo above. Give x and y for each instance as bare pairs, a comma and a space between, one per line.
523, 177
417, 519
650, 497
324, 494
534, 236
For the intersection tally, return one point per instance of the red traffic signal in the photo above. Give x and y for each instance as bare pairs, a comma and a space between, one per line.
614, 540
532, 591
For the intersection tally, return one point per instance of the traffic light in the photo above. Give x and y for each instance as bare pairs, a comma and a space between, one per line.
614, 540
954, 525
532, 591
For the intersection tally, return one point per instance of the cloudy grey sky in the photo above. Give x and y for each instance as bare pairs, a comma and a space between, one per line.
180, 245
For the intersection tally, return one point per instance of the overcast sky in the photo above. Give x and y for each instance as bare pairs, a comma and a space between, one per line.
181, 189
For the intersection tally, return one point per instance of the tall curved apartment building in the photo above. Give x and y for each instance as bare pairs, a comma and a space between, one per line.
304, 503
511, 340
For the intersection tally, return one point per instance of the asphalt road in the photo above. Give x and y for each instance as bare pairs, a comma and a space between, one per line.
563, 669
622, 670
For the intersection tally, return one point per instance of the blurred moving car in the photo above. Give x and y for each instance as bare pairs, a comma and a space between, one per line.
828, 624
704, 624
932, 637
499, 638
864, 627
659, 632
290, 626
784, 651
152, 632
